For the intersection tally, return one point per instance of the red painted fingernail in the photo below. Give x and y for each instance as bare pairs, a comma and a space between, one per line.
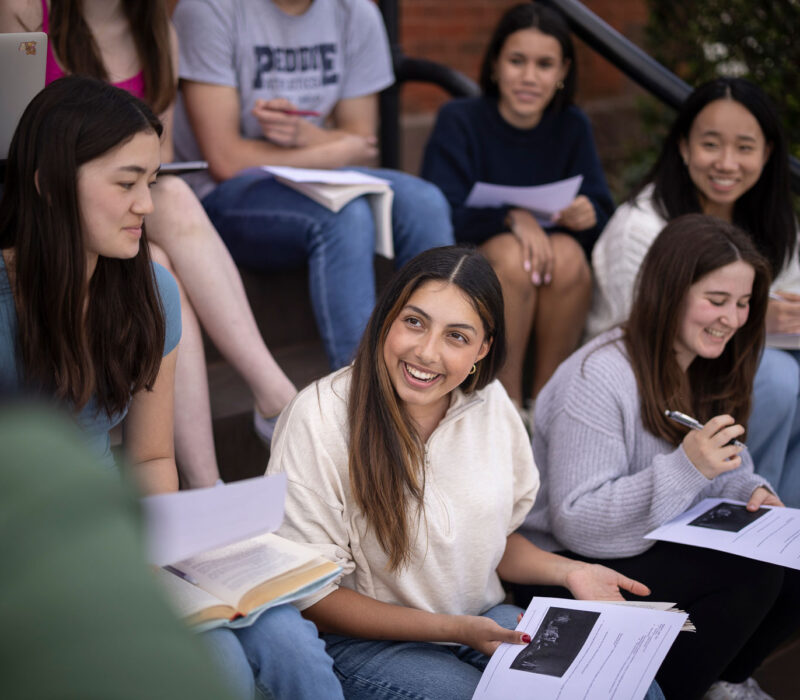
526, 638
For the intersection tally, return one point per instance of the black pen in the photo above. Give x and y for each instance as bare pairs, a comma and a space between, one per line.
693, 423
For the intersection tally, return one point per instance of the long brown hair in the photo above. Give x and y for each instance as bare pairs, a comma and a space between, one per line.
689, 248
74, 44
72, 344
386, 454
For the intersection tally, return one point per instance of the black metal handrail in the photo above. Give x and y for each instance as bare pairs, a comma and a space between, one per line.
622, 53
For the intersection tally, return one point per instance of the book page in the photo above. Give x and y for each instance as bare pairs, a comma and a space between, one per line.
185, 523
230, 572
381, 205
334, 197
324, 176
187, 600
581, 649
768, 534
316, 573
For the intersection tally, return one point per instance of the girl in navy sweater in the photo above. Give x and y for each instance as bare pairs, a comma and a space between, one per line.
523, 131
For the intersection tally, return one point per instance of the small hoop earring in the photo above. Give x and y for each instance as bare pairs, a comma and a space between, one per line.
474, 369
560, 85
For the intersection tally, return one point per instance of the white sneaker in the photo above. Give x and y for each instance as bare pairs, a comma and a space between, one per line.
748, 690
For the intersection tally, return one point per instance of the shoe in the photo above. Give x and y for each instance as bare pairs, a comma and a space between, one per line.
264, 427
748, 690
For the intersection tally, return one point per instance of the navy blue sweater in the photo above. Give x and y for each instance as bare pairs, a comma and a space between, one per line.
472, 143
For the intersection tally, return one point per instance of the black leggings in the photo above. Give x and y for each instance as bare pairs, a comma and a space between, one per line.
742, 609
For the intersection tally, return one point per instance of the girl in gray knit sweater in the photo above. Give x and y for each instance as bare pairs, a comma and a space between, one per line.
613, 466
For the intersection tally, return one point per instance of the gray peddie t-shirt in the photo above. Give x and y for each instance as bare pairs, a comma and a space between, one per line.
337, 49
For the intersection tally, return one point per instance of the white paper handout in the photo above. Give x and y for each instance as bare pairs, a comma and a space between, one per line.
581, 649
542, 200
768, 534
186, 523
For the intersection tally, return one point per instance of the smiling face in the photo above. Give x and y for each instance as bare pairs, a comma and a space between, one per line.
725, 153
114, 197
527, 72
715, 307
430, 349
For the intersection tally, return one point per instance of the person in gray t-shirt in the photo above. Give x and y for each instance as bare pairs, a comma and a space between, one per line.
295, 82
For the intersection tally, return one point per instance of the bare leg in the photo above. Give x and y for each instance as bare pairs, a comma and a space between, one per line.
561, 309
519, 296
202, 262
194, 437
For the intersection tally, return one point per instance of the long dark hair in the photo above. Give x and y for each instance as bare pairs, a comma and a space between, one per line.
71, 346
386, 454
530, 15
689, 248
765, 210
77, 49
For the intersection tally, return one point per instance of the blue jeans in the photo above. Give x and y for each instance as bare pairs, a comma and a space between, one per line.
773, 434
380, 670
281, 654
268, 226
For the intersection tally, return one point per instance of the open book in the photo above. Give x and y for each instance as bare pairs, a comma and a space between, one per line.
221, 565
232, 585
335, 188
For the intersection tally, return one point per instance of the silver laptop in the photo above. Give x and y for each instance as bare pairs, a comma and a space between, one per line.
23, 59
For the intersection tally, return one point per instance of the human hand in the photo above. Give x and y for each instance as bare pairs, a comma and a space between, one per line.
357, 150
282, 129
578, 215
708, 449
485, 635
762, 496
597, 582
535, 246
783, 315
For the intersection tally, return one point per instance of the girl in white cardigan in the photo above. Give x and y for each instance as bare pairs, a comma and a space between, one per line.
411, 470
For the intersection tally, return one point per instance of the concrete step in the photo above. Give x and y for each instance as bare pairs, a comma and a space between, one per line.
240, 453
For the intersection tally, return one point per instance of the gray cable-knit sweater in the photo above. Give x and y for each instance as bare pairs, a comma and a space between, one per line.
605, 480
